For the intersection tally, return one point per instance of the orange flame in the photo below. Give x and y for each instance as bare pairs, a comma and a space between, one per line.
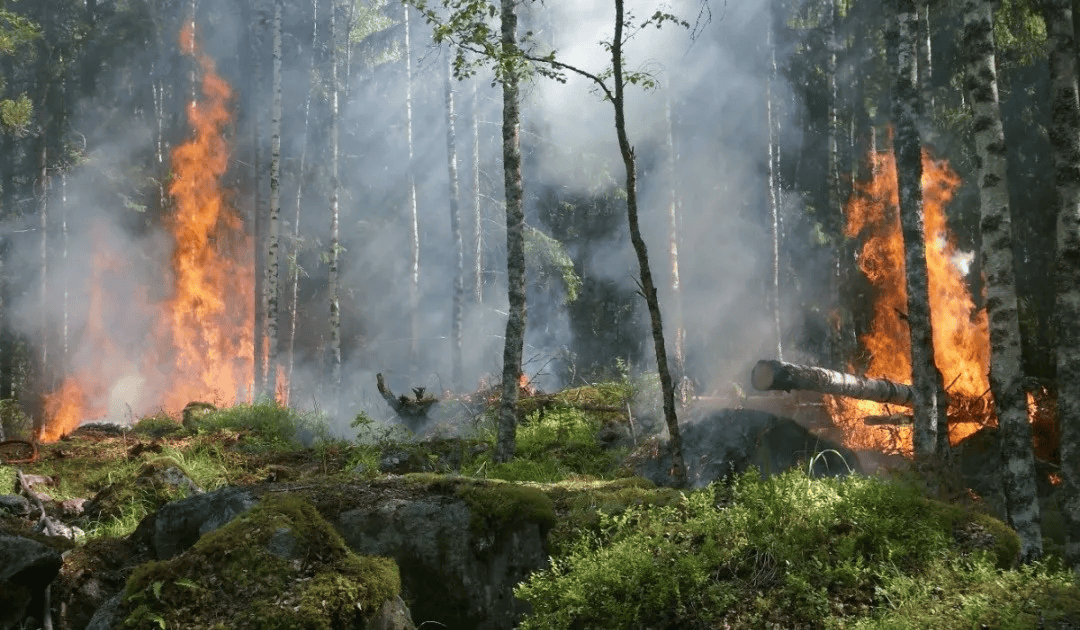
961, 335
202, 341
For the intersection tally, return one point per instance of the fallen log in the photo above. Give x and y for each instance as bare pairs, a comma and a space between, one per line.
770, 374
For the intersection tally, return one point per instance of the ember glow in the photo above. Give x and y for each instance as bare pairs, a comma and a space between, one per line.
200, 338
961, 336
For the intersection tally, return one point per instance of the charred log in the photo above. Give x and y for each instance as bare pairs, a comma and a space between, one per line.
411, 409
777, 375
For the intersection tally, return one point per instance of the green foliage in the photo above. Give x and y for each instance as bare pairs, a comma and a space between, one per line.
15, 31
553, 445
787, 551
157, 425
268, 425
1019, 33
16, 423
549, 257
16, 114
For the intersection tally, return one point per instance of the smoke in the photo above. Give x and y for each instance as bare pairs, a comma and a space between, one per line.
712, 81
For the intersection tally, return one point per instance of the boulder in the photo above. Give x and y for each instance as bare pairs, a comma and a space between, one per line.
458, 568
15, 504
27, 567
730, 441
179, 524
392, 615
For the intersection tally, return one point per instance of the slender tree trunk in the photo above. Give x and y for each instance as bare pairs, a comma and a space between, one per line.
294, 258
413, 216
678, 466
43, 226
514, 339
332, 259
478, 218
455, 233
835, 211
674, 229
1006, 375
1065, 137
774, 188
64, 305
925, 66
270, 290
258, 214
930, 402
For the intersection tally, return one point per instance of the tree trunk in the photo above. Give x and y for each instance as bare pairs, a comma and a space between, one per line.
674, 228
926, 68
294, 258
1006, 377
455, 233
43, 226
1065, 137
514, 340
774, 187
478, 219
413, 216
930, 424
258, 215
270, 288
777, 375
334, 289
678, 466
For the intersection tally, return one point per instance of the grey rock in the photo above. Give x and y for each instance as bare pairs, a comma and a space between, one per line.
179, 525
27, 567
452, 576
392, 615
730, 441
15, 504
105, 617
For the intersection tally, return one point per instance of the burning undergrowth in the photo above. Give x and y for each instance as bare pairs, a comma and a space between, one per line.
195, 320
960, 332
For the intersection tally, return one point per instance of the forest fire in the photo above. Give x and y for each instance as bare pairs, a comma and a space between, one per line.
201, 335
961, 336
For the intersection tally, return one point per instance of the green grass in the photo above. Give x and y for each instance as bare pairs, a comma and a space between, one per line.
791, 552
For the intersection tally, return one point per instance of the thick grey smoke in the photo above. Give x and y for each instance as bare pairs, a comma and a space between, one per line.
712, 78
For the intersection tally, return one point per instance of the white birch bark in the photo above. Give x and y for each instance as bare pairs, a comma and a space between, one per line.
1018, 471
273, 231
334, 288
455, 232
1065, 138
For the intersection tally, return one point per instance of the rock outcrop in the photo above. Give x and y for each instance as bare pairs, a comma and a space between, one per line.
730, 441
27, 567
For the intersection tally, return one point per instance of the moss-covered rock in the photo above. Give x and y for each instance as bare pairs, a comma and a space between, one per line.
278, 565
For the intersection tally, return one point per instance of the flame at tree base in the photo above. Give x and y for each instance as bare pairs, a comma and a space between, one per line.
199, 343
960, 332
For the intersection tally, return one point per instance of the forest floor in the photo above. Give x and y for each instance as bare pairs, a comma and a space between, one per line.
783, 552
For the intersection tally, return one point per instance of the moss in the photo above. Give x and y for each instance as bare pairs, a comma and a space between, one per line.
157, 425
495, 506
279, 565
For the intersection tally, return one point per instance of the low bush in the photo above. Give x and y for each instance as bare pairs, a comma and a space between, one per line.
786, 551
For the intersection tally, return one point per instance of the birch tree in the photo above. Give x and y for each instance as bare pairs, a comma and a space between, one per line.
467, 29
294, 266
1010, 402
333, 255
412, 215
273, 228
458, 300
929, 422
1065, 137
